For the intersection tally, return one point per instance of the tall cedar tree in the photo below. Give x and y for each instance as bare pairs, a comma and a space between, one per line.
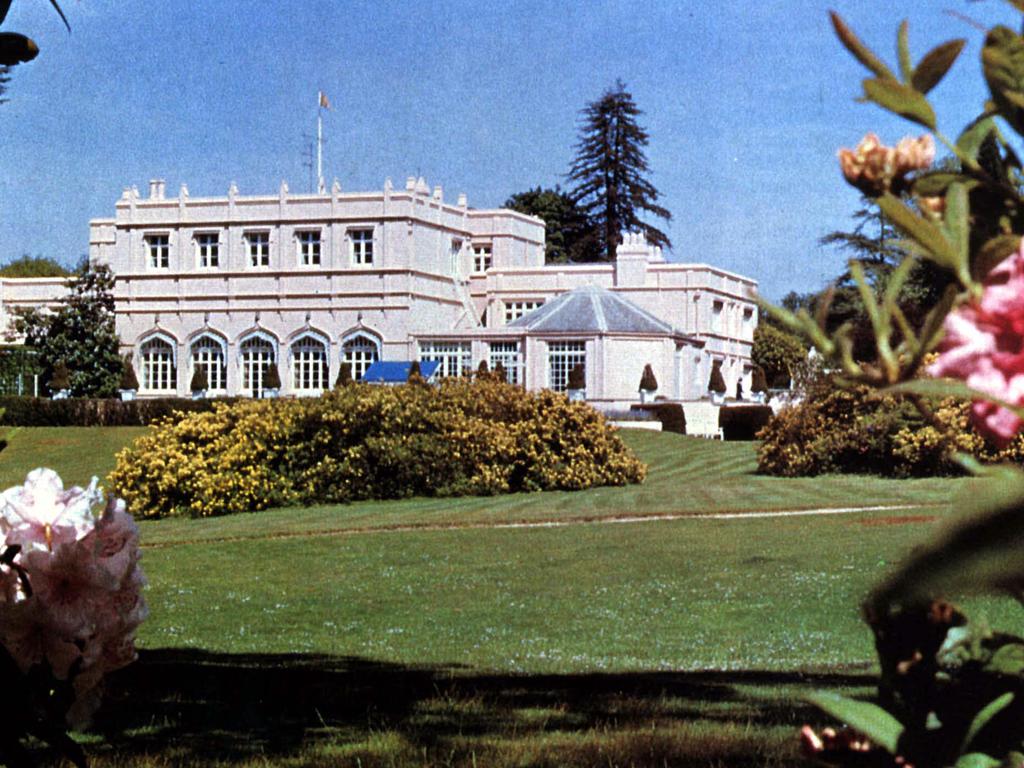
80, 332
608, 172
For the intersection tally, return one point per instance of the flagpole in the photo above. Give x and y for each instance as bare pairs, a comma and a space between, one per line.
320, 148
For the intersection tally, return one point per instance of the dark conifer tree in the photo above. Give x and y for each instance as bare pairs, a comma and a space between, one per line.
609, 171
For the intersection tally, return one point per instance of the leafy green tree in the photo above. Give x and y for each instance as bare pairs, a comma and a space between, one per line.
777, 353
33, 266
569, 234
80, 333
609, 171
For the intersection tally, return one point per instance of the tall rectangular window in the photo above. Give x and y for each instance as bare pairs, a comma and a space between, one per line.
362, 245
259, 248
159, 249
481, 257
505, 354
309, 247
455, 357
563, 356
717, 311
208, 249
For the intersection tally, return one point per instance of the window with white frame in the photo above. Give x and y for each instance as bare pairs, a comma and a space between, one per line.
159, 249
208, 357
360, 352
505, 354
455, 357
481, 257
158, 372
309, 247
208, 249
309, 365
516, 309
361, 241
258, 244
563, 356
257, 355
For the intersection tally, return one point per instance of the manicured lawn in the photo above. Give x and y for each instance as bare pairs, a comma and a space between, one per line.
355, 636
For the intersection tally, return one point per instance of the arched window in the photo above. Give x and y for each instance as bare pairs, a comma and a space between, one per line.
309, 365
208, 356
158, 370
257, 354
360, 351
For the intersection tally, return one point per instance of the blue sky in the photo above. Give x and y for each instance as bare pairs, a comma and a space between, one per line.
746, 104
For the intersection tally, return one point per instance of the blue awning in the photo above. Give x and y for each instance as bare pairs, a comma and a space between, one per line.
397, 371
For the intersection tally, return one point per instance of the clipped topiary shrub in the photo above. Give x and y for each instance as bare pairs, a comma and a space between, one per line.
460, 437
716, 383
344, 375
647, 381
743, 422
758, 381
128, 378
415, 373
272, 378
199, 382
61, 378
577, 377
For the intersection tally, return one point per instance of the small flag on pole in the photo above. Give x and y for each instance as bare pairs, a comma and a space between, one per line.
324, 103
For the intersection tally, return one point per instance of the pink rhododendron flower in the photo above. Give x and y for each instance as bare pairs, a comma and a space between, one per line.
83, 601
42, 515
984, 346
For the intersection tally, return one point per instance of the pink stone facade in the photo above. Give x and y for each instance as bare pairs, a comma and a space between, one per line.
307, 281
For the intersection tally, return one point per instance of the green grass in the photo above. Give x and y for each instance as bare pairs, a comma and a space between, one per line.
393, 643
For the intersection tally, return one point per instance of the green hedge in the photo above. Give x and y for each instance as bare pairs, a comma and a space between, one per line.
671, 415
743, 422
96, 412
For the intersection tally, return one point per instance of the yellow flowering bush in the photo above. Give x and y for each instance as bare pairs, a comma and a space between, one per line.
364, 442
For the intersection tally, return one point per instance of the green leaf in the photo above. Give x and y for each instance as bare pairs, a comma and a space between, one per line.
1002, 60
982, 719
860, 51
935, 183
900, 99
903, 51
942, 388
956, 220
935, 64
928, 235
1007, 660
983, 551
974, 135
867, 718
976, 760
992, 253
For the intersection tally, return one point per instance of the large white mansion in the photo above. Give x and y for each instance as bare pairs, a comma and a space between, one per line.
308, 281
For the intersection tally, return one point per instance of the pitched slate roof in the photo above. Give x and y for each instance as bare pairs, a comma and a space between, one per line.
591, 310
397, 372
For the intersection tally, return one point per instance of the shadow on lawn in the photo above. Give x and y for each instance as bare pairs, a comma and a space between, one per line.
200, 704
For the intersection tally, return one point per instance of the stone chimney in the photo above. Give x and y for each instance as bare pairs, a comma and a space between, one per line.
157, 188
631, 260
